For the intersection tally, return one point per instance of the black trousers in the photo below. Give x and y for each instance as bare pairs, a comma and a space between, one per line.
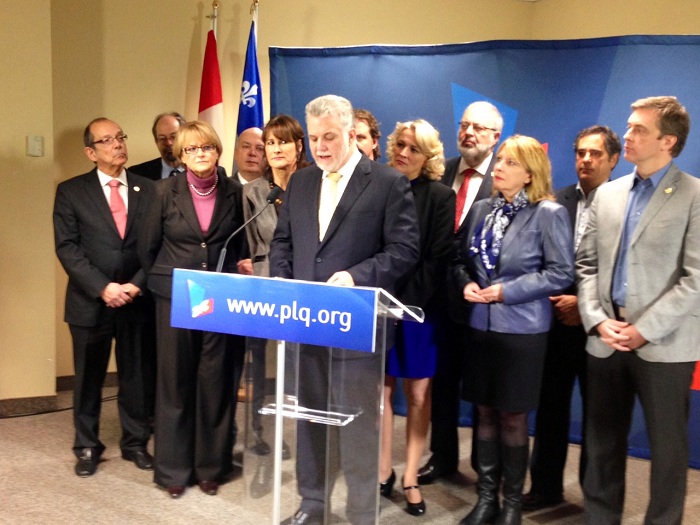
663, 390
350, 382
134, 356
198, 375
447, 394
565, 362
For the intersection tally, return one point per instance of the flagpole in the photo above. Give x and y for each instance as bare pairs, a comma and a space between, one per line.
254, 11
214, 15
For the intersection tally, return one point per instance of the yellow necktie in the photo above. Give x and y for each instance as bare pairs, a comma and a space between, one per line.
329, 201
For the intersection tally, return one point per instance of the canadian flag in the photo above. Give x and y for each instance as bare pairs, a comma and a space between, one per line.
211, 101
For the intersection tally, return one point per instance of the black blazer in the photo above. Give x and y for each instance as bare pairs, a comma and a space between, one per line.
172, 238
152, 169
435, 206
373, 233
90, 249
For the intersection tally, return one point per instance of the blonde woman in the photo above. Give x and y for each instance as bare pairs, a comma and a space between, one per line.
414, 149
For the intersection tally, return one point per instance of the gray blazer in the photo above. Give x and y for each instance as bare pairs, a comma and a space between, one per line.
259, 232
663, 273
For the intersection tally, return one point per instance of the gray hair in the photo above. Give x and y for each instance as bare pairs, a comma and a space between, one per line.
332, 105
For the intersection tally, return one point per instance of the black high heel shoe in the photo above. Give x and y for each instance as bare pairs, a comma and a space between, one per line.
415, 509
386, 487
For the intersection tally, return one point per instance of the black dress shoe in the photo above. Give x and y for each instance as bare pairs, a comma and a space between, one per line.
210, 488
87, 463
534, 501
260, 446
175, 491
141, 458
432, 471
303, 518
386, 487
415, 509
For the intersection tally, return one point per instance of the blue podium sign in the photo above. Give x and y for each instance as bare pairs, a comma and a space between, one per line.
289, 310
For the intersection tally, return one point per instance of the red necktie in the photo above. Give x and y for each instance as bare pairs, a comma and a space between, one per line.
116, 205
462, 196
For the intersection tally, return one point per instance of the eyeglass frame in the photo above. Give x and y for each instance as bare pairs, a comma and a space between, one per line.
191, 150
478, 128
108, 141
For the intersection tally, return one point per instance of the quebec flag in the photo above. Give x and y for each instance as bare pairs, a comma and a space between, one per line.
250, 111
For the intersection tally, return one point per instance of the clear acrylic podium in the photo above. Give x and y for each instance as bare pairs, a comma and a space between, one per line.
313, 387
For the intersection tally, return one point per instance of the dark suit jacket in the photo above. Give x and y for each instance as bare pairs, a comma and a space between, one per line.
486, 188
172, 238
152, 169
373, 233
459, 308
568, 198
435, 206
90, 249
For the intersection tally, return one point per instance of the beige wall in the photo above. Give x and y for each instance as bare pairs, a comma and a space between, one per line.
27, 272
73, 60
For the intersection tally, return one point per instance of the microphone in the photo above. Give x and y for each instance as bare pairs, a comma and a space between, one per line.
271, 197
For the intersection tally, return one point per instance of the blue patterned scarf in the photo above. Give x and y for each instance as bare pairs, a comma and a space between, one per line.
488, 236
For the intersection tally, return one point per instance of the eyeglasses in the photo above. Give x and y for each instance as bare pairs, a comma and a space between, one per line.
478, 128
593, 153
207, 148
108, 141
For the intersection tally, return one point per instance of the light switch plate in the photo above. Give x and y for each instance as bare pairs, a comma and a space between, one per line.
35, 146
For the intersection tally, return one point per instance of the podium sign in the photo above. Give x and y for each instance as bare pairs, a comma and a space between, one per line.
288, 310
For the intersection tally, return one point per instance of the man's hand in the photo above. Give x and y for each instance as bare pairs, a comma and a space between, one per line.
245, 267
132, 290
341, 279
636, 340
114, 295
566, 309
613, 334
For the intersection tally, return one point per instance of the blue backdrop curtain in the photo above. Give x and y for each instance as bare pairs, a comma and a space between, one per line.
546, 89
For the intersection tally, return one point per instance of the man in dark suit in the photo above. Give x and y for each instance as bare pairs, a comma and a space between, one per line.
469, 175
597, 150
347, 221
164, 130
96, 218
638, 276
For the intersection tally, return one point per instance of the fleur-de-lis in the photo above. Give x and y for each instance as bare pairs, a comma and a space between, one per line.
249, 94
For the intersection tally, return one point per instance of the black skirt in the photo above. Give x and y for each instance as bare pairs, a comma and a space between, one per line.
503, 371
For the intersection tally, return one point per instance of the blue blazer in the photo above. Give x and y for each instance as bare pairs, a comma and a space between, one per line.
537, 260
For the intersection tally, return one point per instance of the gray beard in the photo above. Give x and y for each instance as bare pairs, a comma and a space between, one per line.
474, 156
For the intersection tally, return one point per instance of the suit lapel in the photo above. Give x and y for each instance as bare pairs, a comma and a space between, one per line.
97, 195
134, 202
356, 185
665, 190
225, 202
513, 232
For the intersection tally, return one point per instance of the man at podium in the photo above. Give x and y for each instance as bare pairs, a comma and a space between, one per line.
348, 221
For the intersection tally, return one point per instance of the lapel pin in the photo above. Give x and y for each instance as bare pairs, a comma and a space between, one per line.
668, 190
137, 188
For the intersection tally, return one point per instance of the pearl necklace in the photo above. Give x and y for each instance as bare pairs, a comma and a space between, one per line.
206, 193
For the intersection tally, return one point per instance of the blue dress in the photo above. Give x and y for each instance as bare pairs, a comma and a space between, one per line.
415, 353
